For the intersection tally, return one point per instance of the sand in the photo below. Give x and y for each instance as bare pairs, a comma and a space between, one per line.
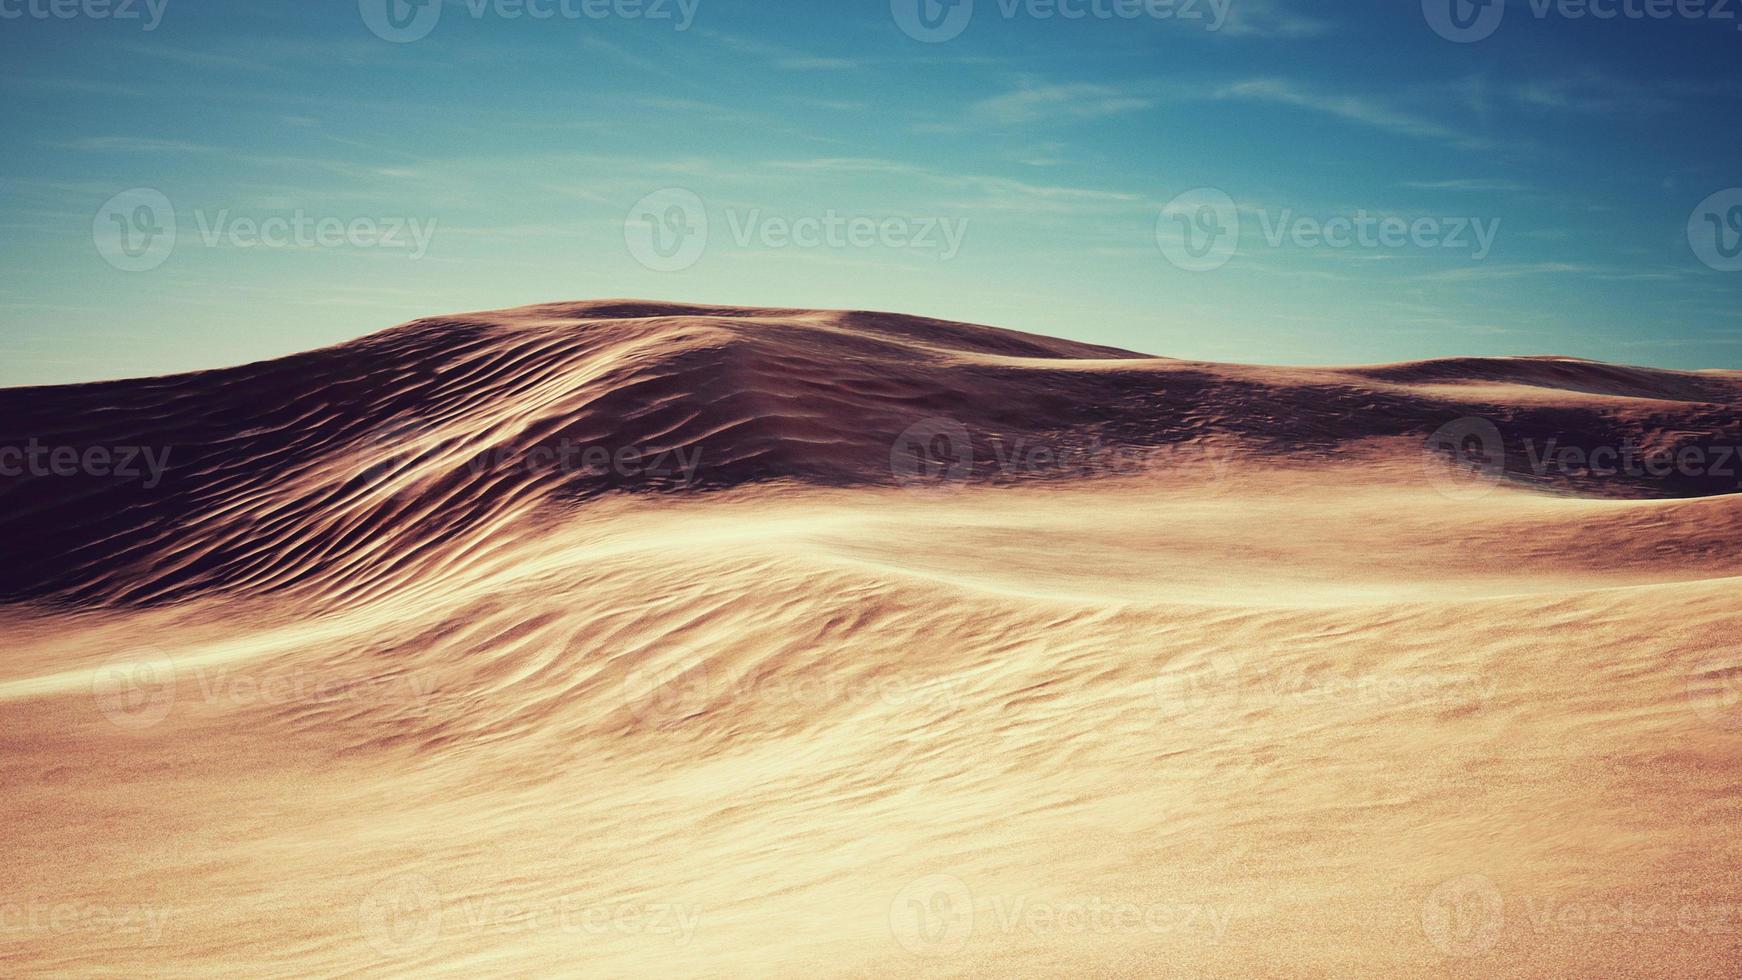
900, 647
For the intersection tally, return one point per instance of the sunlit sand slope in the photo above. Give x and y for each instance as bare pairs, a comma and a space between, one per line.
935, 650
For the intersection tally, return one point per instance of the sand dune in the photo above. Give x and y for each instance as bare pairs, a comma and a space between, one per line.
625, 638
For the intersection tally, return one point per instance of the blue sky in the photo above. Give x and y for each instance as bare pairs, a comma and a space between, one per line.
1028, 170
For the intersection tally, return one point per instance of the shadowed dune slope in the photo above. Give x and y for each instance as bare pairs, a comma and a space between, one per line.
344, 469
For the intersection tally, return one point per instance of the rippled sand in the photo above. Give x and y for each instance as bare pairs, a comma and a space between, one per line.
937, 650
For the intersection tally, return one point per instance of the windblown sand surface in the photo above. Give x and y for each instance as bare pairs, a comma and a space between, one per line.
902, 648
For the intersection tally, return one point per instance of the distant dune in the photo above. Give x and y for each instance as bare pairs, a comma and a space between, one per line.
624, 638
334, 469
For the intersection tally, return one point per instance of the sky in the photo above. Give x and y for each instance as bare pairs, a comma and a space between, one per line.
191, 184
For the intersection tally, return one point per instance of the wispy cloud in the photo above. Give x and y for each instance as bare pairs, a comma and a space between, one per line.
781, 56
599, 45
1595, 93
1267, 18
196, 58
988, 192
1077, 100
128, 144
812, 63
1351, 108
1498, 273
1588, 94
1495, 184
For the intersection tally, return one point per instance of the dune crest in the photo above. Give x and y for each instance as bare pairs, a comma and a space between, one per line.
376, 460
